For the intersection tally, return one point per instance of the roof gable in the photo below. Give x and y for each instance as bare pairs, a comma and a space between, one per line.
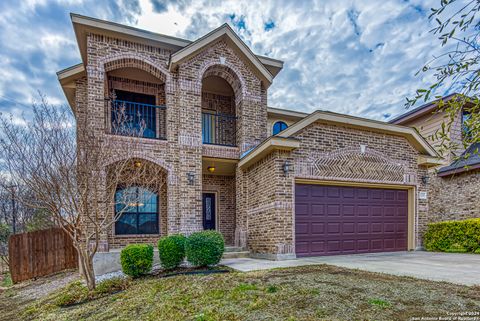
226, 33
417, 141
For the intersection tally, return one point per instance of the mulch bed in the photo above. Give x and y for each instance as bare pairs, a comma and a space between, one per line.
190, 271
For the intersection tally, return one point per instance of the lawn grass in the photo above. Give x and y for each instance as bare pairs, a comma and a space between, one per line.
302, 293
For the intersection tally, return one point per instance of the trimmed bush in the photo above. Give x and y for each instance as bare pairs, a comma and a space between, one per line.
171, 250
136, 259
453, 236
204, 248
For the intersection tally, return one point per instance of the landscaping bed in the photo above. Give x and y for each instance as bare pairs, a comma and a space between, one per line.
305, 293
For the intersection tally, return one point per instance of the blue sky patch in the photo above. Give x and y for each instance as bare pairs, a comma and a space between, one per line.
269, 25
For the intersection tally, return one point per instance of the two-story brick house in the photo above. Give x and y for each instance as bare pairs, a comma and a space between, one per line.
276, 182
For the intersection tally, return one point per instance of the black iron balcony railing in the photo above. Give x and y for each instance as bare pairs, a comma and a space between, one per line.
219, 129
137, 119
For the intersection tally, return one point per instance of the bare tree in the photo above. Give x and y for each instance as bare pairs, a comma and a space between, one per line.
74, 175
457, 68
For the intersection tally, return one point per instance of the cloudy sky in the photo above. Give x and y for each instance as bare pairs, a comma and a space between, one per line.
354, 57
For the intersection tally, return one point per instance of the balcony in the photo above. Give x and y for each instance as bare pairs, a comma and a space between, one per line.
129, 118
219, 129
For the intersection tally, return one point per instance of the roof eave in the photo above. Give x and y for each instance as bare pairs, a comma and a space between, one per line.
458, 170
419, 111
270, 144
66, 78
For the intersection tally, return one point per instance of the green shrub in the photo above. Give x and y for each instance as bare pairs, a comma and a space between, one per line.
110, 286
453, 236
73, 293
171, 250
204, 248
136, 259
456, 248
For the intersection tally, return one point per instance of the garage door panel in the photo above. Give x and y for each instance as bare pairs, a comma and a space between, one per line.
377, 227
402, 195
401, 243
302, 247
318, 247
348, 193
362, 228
318, 209
302, 209
318, 228
302, 190
401, 228
333, 246
348, 228
348, 210
333, 192
317, 191
333, 228
389, 228
390, 211
348, 245
377, 194
376, 244
389, 244
363, 210
344, 220
363, 245
333, 210
302, 228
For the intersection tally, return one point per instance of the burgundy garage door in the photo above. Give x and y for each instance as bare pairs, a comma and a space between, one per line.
346, 220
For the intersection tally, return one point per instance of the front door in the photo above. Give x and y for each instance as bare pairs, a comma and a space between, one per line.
209, 211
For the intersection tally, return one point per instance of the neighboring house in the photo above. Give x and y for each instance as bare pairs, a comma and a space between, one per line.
454, 185
324, 184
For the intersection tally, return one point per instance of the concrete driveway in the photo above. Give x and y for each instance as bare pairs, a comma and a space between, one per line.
450, 267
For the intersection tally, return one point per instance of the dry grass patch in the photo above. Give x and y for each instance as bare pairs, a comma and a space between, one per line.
303, 293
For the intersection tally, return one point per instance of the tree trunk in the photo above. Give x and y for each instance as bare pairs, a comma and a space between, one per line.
86, 268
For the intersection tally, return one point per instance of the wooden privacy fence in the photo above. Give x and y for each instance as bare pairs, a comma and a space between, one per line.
40, 253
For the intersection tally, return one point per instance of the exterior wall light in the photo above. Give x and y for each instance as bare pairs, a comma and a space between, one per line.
191, 178
211, 169
286, 167
426, 179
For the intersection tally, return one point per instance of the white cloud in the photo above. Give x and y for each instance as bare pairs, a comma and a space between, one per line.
355, 57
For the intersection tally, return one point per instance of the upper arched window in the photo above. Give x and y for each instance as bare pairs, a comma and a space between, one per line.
278, 127
138, 210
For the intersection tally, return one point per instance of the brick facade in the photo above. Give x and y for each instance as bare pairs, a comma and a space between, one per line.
387, 159
255, 206
454, 197
181, 153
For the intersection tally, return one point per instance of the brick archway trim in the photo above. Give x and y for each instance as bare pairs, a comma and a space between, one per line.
136, 60
226, 72
139, 155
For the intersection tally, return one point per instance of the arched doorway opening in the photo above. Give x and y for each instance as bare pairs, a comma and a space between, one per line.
221, 99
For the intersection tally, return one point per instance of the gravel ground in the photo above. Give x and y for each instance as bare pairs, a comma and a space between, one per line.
39, 288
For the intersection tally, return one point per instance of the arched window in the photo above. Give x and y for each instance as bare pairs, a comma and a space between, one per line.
278, 127
139, 211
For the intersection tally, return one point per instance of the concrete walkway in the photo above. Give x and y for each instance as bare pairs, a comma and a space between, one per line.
450, 267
